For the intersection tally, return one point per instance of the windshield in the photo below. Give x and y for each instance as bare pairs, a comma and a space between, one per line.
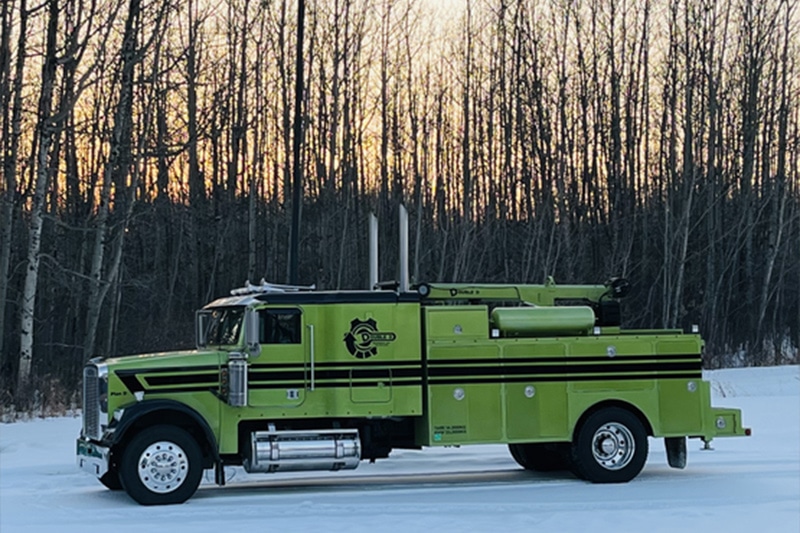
225, 325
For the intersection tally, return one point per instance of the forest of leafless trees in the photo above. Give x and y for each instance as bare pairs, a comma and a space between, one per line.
147, 161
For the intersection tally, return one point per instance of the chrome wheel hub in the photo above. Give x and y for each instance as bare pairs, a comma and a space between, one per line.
163, 467
613, 446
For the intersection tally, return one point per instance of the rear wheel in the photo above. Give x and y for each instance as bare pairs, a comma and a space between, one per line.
161, 465
611, 447
541, 457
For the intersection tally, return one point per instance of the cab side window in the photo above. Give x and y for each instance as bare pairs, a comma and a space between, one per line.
280, 326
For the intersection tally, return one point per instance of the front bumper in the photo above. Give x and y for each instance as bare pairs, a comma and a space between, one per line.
92, 457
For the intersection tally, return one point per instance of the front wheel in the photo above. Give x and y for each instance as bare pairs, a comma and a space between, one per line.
610, 447
161, 465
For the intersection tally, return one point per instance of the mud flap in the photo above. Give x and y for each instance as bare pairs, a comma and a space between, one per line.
219, 473
676, 451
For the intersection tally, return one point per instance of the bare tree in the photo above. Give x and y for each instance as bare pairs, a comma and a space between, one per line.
46, 128
118, 167
11, 103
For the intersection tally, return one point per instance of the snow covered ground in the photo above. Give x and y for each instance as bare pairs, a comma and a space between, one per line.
745, 484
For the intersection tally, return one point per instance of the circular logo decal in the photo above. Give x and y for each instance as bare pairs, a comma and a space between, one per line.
363, 339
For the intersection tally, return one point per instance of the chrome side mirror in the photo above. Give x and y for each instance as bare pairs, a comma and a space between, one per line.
202, 319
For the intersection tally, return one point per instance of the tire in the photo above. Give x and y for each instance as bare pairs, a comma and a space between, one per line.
610, 447
161, 465
540, 457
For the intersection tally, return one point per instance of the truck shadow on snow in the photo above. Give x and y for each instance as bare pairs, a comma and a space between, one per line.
654, 476
333, 483
389, 481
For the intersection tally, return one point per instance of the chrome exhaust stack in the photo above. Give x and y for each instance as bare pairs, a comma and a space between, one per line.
402, 285
373, 252
403, 249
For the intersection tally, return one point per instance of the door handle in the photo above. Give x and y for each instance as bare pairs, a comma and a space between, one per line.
311, 346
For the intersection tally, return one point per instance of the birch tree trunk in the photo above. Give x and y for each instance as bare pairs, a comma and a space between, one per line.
12, 117
45, 129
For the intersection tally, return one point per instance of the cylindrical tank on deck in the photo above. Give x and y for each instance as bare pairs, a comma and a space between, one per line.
543, 321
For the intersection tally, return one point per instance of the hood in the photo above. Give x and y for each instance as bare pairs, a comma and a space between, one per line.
157, 360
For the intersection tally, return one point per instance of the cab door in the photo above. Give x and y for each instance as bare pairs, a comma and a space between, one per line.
278, 377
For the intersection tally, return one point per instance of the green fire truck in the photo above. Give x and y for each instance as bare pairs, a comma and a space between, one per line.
288, 378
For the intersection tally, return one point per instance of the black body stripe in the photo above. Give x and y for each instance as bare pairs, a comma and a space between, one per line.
448, 381
331, 384
440, 372
562, 359
347, 364
354, 363
551, 379
182, 379
563, 369
130, 381
336, 374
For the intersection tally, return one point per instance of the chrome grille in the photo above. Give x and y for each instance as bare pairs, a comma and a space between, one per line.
91, 402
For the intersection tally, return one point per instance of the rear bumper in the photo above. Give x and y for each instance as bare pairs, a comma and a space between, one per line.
727, 423
91, 457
